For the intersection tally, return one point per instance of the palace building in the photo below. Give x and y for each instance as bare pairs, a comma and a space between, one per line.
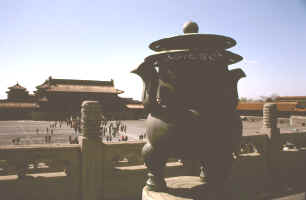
18, 105
67, 95
62, 98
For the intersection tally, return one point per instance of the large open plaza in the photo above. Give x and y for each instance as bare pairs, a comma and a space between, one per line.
34, 132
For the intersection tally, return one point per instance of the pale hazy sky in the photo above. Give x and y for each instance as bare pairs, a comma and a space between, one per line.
103, 40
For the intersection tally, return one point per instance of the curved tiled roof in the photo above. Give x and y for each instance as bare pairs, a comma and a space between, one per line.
257, 106
17, 87
82, 88
78, 86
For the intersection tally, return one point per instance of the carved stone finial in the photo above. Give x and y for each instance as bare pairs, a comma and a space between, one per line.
190, 27
91, 119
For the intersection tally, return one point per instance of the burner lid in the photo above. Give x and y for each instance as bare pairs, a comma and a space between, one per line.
192, 40
216, 57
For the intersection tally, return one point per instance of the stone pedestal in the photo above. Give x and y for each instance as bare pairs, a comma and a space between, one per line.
179, 188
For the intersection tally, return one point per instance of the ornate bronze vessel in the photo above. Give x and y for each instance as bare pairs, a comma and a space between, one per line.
191, 97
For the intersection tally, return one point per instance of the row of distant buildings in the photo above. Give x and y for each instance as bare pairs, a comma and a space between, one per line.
286, 106
62, 98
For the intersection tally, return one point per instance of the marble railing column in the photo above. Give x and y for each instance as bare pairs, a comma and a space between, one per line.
273, 154
270, 116
91, 151
270, 122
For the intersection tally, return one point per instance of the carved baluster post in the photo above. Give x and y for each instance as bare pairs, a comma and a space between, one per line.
270, 117
92, 151
273, 154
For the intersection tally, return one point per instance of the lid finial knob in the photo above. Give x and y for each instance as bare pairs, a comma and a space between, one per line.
190, 27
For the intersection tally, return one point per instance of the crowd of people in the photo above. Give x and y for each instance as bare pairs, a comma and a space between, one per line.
49, 131
16, 140
114, 130
110, 131
142, 136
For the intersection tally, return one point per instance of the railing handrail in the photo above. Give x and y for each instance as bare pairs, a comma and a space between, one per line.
40, 146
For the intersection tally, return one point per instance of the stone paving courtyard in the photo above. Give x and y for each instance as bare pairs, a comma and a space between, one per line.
28, 134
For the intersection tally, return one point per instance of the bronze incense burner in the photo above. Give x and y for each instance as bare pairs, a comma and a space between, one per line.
191, 97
